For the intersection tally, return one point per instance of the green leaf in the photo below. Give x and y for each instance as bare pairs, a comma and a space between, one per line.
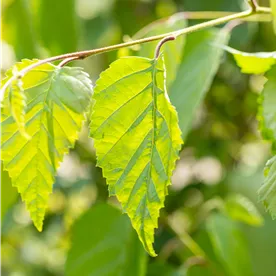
199, 65
165, 269
273, 7
17, 104
8, 193
137, 139
230, 245
56, 101
267, 192
200, 270
267, 110
17, 21
57, 22
172, 50
253, 63
240, 208
106, 247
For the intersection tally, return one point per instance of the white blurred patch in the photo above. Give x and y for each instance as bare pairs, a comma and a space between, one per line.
256, 83
183, 174
7, 56
21, 215
17, 273
88, 9
208, 170
33, 251
71, 169
179, 221
254, 154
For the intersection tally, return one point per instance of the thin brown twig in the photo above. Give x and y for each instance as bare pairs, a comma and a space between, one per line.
200, 15
254, 5
161, 42
67, 60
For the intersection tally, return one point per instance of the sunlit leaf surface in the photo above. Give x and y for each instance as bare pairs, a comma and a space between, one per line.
56, 100
137, 139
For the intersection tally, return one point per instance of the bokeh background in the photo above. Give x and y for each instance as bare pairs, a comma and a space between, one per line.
212, 223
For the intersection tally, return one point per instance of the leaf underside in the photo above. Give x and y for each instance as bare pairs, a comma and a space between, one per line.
56, 100
137, 139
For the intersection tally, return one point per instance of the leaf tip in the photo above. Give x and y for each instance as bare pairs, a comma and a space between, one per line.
149, 248
38, 225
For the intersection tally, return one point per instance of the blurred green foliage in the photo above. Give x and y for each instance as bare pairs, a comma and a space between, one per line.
222, 158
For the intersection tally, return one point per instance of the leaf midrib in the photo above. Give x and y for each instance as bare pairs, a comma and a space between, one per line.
154, 127
47, 92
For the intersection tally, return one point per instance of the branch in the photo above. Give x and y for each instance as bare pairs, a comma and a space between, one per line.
263, 16
87, 53
67, 60
253, 4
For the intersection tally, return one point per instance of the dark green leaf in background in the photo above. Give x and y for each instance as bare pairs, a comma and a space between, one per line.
230, 245
164, 269
58, 26
214, 5
195, 75
8, 193
19, 33
105, 244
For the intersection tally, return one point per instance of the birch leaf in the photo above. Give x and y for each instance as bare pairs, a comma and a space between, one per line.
137, 139
56, 101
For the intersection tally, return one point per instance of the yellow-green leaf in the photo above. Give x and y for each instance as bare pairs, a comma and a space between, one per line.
137, 139
56, 99
17, 104
253, 63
